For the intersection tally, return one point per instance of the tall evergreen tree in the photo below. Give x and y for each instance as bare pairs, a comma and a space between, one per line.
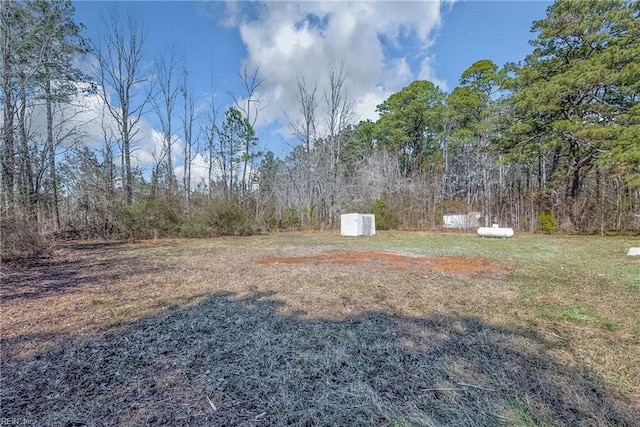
236, 130
60, 42
411, 124
41, 43
576, 96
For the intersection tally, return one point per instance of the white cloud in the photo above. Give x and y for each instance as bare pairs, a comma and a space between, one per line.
199, 171
427, 73
375, 42
89, 114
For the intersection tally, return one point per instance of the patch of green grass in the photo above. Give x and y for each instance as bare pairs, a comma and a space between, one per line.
580, 315
631, 277
519, 416
610, 326
547, 312
575, 314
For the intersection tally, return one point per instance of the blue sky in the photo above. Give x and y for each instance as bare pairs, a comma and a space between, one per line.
383, 46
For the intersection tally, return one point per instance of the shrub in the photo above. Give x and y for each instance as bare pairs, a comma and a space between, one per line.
291, 219
228, 218
386, 217
309, 215
147, 218
547, 222
20, 239
195, 227
272, 223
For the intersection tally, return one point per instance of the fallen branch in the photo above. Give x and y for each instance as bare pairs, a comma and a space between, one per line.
458, 389
443, 389
476, 386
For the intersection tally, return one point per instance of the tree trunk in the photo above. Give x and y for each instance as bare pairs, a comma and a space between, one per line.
26, 179
126, 154
8, 152
52, 153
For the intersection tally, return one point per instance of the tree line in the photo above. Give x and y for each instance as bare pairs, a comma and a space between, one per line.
552, 142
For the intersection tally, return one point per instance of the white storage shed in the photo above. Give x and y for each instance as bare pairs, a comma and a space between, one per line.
358, 224
461, 221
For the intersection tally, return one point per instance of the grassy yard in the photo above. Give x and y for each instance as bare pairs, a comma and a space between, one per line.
316, 329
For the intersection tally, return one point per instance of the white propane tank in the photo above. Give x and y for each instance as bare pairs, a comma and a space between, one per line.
495, 231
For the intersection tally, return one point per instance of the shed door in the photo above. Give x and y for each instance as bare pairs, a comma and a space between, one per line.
367, 226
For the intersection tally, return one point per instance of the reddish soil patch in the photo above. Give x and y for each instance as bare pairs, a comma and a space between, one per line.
462, 266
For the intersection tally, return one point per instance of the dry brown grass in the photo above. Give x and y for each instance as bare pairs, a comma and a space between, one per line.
279, 330
461, 266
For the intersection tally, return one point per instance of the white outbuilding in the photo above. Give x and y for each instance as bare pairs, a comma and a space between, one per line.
461, 221
358, 224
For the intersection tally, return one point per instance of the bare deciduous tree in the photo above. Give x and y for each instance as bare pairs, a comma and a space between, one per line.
188, 119
252, 83
304, 127
119, 76
339, 111
211, 132
164, 104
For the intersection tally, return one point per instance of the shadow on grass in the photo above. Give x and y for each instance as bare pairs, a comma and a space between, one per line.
53, 276
97, 246
232, 361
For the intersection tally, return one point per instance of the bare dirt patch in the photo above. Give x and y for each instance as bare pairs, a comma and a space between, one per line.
462, 266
